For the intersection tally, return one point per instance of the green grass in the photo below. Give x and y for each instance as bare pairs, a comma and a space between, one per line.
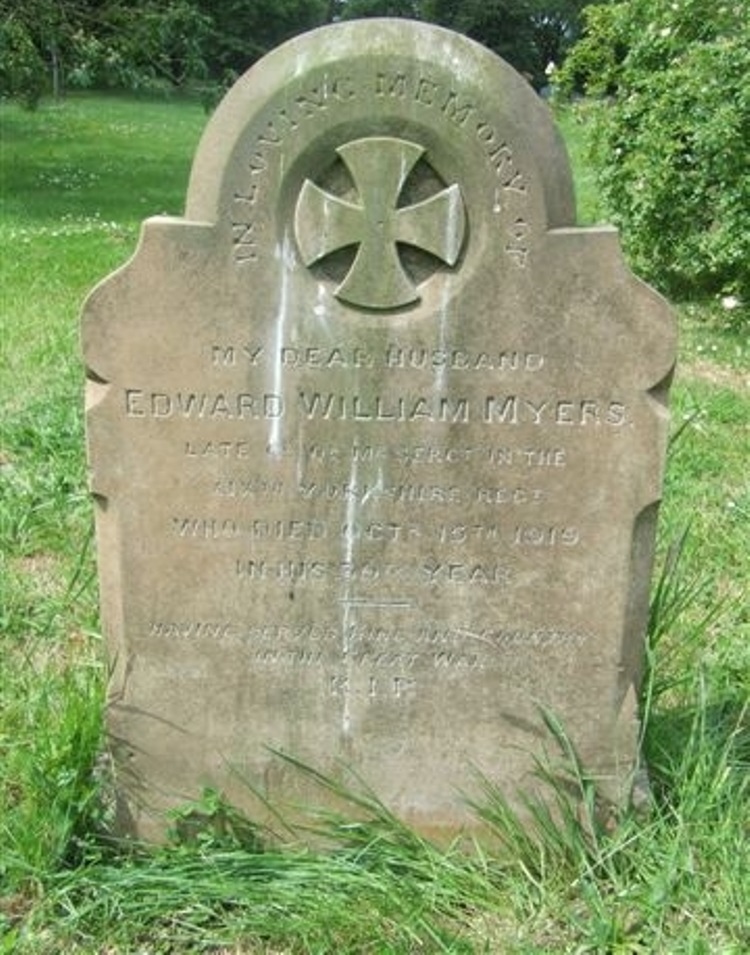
77, 178
572, 123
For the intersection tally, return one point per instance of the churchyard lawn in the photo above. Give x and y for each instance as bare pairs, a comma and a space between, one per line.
76, 179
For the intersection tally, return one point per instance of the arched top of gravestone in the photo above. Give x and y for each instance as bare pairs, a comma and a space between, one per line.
384, 79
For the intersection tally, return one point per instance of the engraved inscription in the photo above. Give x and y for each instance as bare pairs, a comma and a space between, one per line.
430, 572
517, 247
275, 129
383, 407
535, 536
515, 409
396, 688
309, 104
191, 404
231, 355
395, 355
375, 663
213, 528
248, 487
291, 530
390, 639
460, 111
458, 359
425, 455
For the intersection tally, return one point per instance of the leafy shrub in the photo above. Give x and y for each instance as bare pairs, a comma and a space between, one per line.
22, 70
671, 134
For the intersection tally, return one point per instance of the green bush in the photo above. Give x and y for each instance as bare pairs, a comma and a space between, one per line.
22, 70
671, 134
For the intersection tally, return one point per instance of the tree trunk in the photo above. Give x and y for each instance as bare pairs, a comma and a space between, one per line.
57, 72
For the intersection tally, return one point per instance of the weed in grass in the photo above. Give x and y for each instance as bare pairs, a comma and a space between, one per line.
212, 821
42, 477
51, 723
680, 588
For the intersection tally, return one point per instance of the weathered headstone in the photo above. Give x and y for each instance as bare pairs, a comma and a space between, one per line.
377, 439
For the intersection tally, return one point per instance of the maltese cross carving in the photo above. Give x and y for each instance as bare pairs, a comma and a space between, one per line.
376, 224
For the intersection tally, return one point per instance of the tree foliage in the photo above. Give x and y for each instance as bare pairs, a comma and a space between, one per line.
140, 44
527, 33
505, 26
241, 31
671, 136
22, 69
99, 43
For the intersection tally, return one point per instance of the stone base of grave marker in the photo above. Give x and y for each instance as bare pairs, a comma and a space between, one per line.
376, 438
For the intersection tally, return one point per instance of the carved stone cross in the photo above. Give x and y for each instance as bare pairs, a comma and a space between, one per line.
324, 223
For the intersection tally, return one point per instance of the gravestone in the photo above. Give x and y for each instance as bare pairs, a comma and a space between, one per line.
376, 438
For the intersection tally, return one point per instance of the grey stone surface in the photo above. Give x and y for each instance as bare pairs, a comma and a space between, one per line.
376, 438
